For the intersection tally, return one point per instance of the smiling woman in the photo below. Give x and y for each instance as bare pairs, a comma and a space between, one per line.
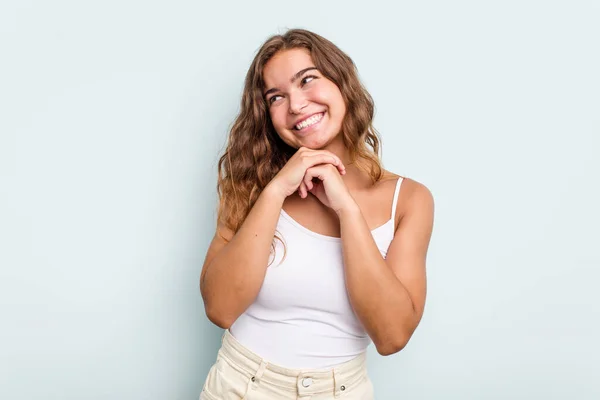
306, 110
319, 251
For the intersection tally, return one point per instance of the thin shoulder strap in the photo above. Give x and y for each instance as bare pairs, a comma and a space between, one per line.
395, 202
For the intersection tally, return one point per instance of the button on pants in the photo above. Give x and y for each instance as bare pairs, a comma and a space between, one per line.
240, 374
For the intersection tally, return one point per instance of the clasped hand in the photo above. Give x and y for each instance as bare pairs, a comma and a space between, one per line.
318, 172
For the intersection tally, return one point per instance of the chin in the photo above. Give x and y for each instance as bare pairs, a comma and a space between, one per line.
313, 141
319, 146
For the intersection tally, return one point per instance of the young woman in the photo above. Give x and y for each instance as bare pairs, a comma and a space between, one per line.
319, 251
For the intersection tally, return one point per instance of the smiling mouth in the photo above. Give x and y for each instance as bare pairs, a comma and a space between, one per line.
309, 121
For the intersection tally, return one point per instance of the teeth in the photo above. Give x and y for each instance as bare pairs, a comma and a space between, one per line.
308, 122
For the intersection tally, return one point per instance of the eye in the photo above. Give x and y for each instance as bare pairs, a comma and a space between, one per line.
272, 99
308, 79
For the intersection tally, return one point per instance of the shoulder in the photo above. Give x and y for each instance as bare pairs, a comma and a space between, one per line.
414, 197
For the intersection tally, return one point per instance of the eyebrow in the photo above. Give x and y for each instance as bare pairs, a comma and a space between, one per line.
296, 76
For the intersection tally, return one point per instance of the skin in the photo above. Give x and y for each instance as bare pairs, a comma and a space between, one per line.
323, 192
310, 93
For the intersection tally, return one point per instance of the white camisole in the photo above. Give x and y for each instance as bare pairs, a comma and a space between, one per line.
302, 317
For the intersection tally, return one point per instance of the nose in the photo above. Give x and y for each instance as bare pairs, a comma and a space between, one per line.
297, 103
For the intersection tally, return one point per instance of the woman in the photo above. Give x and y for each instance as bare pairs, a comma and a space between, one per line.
317, 251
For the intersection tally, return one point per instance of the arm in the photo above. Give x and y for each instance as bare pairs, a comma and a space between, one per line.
233, 271
388, 295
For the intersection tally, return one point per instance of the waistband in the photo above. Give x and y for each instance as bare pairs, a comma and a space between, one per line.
301, 381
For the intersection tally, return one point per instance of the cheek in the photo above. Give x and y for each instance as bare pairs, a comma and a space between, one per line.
332, 96
277, 117
339, 99
319, 94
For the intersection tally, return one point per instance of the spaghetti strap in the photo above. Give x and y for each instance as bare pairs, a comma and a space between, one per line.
395, 202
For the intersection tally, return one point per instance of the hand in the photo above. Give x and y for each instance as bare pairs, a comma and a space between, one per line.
290, 178
326, 184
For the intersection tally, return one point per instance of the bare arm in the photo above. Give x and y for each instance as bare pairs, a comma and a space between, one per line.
234, 272
388, 295
234, 269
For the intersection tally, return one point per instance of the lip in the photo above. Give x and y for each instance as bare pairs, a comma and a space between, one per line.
305, 118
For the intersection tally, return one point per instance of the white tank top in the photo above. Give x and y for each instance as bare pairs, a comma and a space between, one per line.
302, 316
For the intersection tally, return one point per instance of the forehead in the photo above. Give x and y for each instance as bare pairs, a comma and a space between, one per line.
282, 66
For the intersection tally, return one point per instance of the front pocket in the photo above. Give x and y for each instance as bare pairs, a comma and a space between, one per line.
209, 377
226, 382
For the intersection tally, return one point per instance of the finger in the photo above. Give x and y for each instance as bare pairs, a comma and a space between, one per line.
325, 157
302, 190
307, 182
318, 172
339, 164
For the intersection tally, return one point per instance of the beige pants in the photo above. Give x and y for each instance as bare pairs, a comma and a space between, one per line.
240, 374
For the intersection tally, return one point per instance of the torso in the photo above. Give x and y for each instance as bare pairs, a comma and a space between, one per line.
302, 316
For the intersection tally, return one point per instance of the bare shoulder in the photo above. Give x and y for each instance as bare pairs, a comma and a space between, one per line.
414, 197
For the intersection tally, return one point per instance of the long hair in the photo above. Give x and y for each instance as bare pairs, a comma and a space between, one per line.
255, 153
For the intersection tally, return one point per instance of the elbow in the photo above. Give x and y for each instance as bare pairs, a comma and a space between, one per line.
219, 318
389, 347
215, 314
394, 340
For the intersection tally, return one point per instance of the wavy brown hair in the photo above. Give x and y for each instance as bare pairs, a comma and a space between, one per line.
255, 153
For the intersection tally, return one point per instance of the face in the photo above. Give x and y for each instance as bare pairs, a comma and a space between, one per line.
306, 108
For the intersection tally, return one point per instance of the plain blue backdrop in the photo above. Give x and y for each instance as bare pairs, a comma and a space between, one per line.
112, 117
